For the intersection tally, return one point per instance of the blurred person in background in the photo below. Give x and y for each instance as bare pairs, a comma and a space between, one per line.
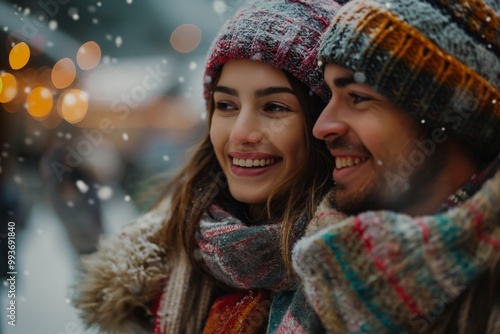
214, 254
414, 127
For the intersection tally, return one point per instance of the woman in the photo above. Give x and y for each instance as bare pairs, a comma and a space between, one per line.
214, 254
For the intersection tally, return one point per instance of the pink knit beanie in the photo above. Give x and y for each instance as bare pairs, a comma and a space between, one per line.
283, 33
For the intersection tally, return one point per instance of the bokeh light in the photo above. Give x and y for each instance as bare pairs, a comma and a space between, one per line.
73, 105
64, 73
9, 87
19, 55
185, 38
39, 102
88, 55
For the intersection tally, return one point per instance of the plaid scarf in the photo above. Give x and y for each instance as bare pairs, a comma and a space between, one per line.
383, 272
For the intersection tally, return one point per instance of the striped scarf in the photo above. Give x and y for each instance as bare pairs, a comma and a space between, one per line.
383, 272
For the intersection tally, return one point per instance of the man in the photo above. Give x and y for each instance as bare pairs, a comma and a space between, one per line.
414, 127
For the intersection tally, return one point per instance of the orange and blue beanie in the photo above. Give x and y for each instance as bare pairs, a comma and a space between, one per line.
437, 59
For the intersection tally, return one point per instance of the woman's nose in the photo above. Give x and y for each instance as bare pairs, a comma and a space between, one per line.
246, 129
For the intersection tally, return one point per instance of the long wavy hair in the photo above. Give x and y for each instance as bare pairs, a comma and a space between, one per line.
202, 181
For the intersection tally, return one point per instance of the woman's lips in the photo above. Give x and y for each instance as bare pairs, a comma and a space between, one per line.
252, 164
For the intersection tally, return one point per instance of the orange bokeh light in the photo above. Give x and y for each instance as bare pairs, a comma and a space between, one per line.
88, 55
64, 73
185, 38
19, 56
73, 105
39, 102
9, 89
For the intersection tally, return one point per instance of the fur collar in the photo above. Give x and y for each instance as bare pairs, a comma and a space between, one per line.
119, 284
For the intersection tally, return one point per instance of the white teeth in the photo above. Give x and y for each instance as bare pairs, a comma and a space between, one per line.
348, 161
252, 163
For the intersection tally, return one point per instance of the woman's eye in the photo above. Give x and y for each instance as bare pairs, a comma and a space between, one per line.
224, 106
274, 107
358, 98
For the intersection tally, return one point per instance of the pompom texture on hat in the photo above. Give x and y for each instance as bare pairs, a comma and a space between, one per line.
437, 59
285, 34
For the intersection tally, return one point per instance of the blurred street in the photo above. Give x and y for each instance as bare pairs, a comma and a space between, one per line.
99, 103
46, 264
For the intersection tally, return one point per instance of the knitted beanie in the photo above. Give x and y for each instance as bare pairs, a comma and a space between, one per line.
282, 33
437, 59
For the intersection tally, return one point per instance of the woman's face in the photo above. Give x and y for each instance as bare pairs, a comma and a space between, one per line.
257, 129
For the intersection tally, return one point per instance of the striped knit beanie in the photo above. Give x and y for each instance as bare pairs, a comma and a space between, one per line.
283, 33
437, 59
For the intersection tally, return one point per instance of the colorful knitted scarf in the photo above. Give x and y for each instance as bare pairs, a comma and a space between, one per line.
247, 259
365, 274
383, 272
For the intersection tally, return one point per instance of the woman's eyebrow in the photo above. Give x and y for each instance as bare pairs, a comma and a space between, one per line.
274, 90
226, 90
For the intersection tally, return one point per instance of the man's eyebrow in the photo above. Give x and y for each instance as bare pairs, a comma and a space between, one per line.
226, 90
344, 81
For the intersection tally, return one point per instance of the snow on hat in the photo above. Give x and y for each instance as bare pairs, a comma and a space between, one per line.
438, 60
283, 33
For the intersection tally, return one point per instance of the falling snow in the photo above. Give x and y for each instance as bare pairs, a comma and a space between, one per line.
359, 77
82, 186
104, 192
127, 198
166, 158
125, 136
219, 7
52, 24
118, 41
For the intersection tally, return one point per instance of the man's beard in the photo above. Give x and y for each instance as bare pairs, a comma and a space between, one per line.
379, 195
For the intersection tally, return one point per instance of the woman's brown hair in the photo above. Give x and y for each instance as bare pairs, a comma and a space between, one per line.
192, 190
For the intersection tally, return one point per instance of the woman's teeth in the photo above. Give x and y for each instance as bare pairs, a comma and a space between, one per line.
252, 162
348, 161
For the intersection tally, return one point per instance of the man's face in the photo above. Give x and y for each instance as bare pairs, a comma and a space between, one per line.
374, 144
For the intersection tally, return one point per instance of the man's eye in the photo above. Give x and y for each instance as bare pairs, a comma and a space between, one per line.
275, 107
358, 98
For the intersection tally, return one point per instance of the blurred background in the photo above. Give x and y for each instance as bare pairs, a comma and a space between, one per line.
99, 101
